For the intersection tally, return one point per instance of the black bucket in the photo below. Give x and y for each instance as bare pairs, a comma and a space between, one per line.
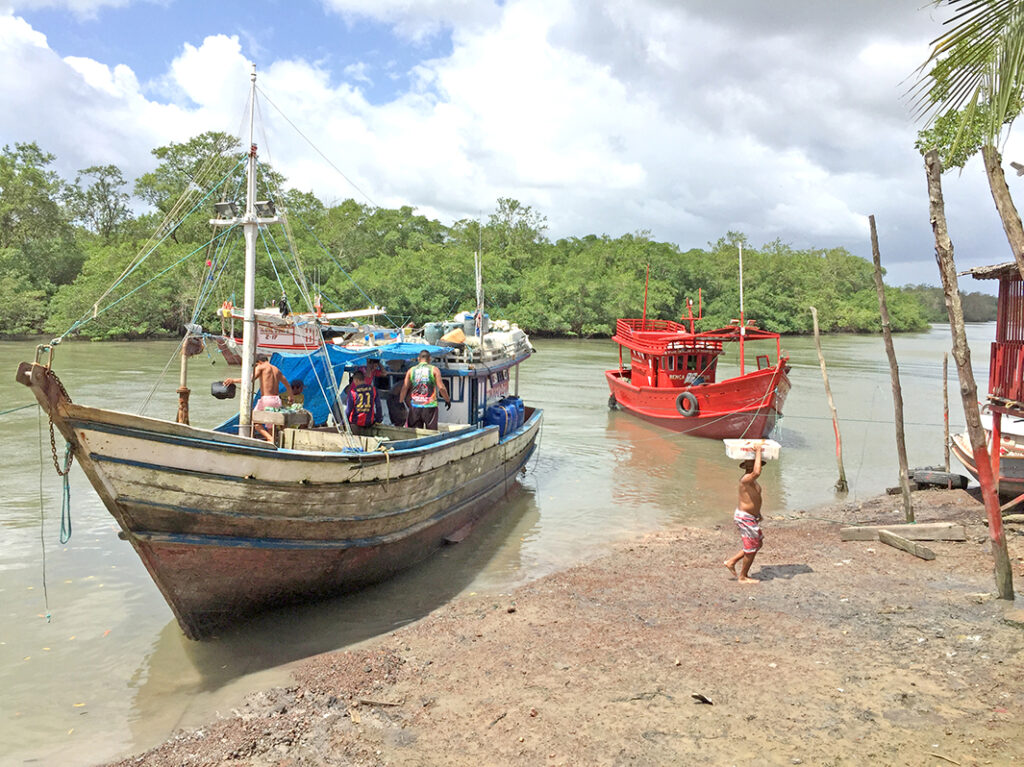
221, 391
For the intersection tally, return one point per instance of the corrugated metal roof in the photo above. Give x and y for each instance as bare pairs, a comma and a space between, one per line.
994, 272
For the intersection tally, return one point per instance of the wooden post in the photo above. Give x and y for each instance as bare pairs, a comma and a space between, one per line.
894, 370
945, 408
841, 485
183, 390
899, 542
968, 387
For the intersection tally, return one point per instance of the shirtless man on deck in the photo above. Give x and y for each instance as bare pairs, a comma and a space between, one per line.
268, 378
748, 518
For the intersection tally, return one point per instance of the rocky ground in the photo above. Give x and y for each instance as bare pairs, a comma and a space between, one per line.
843, 654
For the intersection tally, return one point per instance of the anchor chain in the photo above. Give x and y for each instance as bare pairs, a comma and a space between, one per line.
68, 456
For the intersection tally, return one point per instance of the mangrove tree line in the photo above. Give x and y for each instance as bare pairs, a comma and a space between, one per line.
64, 243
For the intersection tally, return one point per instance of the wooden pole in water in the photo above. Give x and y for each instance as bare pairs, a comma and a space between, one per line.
945, 408
841, 484
968, 386
894, 370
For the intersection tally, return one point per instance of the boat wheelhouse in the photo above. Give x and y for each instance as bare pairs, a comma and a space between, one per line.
671, 377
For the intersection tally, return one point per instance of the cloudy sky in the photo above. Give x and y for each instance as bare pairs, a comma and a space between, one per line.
687, 118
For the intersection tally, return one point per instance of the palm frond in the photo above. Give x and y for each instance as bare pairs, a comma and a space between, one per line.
977, 64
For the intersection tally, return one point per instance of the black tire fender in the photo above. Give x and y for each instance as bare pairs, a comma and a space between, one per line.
686, 404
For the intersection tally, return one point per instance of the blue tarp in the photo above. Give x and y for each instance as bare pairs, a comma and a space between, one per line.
311, 368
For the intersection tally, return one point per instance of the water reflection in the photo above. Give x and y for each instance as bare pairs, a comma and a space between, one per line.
598, 476
178, 669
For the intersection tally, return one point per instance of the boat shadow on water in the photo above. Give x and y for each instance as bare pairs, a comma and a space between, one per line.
178, 666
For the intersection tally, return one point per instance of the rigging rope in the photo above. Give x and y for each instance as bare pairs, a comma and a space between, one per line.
42, 518
89, 318
316, 149
16, 409
137, 261
159, 380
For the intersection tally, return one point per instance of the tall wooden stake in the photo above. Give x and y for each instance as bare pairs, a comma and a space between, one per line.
894, 370
841, 485
183, 390
945, 408
968, 387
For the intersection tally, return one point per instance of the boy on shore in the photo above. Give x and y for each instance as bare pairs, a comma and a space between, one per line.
748, 518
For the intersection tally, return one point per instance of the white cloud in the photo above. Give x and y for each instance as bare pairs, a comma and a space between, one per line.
786, 121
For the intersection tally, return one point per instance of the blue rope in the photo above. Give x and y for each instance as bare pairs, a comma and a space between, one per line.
65, 506
15, 409
86, 317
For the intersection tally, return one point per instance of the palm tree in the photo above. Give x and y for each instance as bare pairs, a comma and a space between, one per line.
975, 73
973, 80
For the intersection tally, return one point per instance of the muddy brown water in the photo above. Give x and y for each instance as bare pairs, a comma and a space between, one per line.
92, 664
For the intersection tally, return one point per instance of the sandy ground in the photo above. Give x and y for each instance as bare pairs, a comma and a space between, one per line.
843, 654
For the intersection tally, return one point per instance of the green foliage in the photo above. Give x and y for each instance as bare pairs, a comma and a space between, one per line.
976, 65
38, 247
105, 278
977, 307
101, 207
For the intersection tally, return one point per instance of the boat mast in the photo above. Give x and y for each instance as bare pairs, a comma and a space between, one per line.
743, 322
251, 228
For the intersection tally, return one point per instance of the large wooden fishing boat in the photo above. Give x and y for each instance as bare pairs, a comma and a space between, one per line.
228, 525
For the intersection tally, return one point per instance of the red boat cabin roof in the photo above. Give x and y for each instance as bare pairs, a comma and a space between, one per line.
661, 337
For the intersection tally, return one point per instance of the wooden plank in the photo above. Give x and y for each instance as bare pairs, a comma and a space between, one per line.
897, 541
928, 531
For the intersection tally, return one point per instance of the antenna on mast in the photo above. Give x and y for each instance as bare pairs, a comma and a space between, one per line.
743, 322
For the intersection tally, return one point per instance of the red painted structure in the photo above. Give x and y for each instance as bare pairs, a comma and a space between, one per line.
671, 378
1005, 381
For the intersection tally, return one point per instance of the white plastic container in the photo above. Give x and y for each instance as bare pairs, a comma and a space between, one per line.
742, 449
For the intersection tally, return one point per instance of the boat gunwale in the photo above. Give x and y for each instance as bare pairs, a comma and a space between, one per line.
202, 441
527, 426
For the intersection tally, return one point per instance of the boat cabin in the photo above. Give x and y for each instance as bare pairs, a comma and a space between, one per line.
666, 354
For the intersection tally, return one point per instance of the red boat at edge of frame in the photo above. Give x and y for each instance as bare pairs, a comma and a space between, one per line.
672, 381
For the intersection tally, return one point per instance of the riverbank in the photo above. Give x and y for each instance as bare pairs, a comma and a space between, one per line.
844, 653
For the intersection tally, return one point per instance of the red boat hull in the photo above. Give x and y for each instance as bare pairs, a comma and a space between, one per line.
747, 406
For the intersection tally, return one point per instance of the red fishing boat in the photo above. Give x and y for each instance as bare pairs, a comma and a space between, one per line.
671, 377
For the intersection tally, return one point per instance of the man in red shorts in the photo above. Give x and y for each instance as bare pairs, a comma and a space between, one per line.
748, 518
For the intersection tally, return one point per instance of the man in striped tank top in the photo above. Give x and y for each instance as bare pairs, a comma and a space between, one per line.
422, 384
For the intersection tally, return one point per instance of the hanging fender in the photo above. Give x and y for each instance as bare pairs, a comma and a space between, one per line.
226, 308
686, 404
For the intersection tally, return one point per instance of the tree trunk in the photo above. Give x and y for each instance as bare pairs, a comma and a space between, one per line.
1004, 204
894, 371
968, 387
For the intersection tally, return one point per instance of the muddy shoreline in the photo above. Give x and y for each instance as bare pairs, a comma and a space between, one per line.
843, 653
